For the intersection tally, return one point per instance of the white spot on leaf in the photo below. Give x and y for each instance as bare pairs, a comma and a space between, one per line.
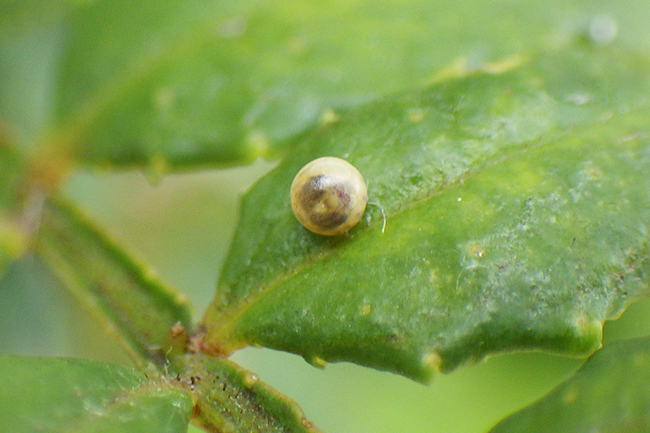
603, 29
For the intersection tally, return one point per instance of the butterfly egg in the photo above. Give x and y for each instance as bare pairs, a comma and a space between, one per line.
329, 196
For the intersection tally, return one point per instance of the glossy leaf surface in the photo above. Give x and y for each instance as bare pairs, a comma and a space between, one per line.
515, 208
608, 394
72, 395
131, 298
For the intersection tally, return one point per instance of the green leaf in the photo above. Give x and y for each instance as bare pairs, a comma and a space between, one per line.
515, 208
17, 13
73, 395
231, 399
610, 393
30, 46
13, 239
11, 167
136, 304
173, 84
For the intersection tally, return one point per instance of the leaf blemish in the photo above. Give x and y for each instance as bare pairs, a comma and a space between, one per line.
578, 98
432, 360
163, 99
603, 29
328, 116
415, 115
570, 396
475, 249
231, 28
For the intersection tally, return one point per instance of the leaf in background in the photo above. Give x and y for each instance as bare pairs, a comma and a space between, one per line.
30, 47
134, 301
18, 13
65, 395
231, 399
174, 84
13, 240
30, 37
608, 394
516, 206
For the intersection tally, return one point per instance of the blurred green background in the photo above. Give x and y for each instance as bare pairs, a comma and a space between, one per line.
182, 227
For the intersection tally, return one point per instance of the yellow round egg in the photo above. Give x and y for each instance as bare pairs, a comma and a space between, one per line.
329, 196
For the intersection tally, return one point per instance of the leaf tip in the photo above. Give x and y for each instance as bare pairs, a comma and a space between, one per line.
156, 168
250, 379
591, 330
316, 361
587, 325
431, 364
